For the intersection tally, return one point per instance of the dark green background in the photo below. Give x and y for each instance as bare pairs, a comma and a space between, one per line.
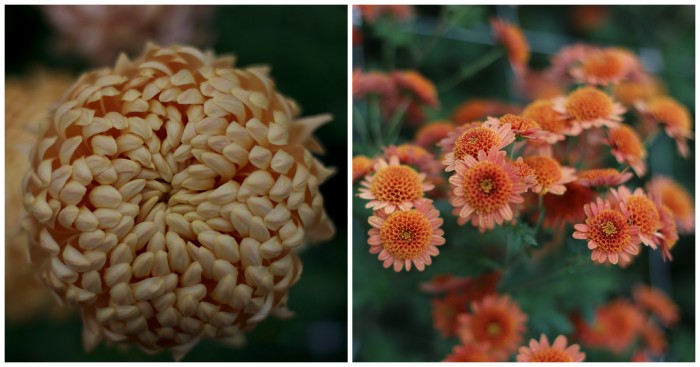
392, 319
307, 49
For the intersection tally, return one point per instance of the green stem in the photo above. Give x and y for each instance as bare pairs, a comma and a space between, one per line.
512, 151
540, 219
584, 149
360, 124
375, 121
469, 70
395, 122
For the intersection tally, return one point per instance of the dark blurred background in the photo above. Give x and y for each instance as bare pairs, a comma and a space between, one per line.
392, 318
306, 46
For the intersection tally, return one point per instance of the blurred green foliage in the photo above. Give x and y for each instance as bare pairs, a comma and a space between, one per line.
307, 49
392, 317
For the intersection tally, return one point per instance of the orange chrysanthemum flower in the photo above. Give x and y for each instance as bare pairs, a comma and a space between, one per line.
608, 232
656, 301
524, 128
446, 310
603, 177
567, 208
415, 83
643, 213
408, 237
668, 233
538, 84
515, 43
527, 175
485, 189
567, 58
589, 107
478, 109
429, 135
654, 339
551, 176
631, 93
559, 351
602, 67
470, 139
677, 199
497, 321
627, 147
415, 156
361, 166
373, 82
543, 112
470, 353
371, 13
393, 186
616, 326
674, 117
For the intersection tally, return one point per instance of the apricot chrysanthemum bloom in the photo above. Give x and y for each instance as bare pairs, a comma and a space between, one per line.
470, 139
643, 213
674, 117
393, 186
677, 199
656, 301
416, 84
430, 134
497, 321
589, 107
527, 175
470, 353
567, 208
373, 82
567, 58
627, 147
559, 351
515, 43
523, 127
668, 233
610, 236
478, 109
445, 312
634, 93
602, 67
169, 195
543, 112
415, 156
485, 189
551, 176
615, 327
361, 166
602, 177
407, 237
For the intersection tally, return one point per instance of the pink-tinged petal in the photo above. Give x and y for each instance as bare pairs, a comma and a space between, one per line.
559, 342
419, 265
398, 265
580, 235
592, 245
613, 258
581, 227
375, 240
384, 255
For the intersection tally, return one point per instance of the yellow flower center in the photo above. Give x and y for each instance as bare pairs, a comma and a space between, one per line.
493, 329
519, 122
609, 228
487, 187
406, 234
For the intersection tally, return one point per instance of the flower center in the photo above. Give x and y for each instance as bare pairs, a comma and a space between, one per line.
487, 187
603, 65
406, 234
551, 355
520, 123
493, 328
396, 184
588, 103
609, 230
643, 213
547, 170
474, 140
543, 112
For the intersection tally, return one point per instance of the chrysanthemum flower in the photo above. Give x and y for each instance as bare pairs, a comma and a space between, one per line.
538, 85
416, 156
393, 186
567, 208
543, 112
551, 176
445, 312
590, 107
633, 93
610, 236
674, 117
497, 321
373, 82
559, 351
654, 339
523, 127
485, 189
677, 199
478, 109
527, 175
361, 166
407, 237
643, 213
656, 301
668, 232
470, 139
615, 327
416, 84
602, 177
515, 43
627, 147
168, 195
470, 353
602, 67
430, 134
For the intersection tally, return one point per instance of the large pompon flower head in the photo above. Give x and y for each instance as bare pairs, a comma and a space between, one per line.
393, 186
559, 351
551, 176
361, 166
169, 195
677, 199
674, 117
407, 237
627, 147
496, 321
601, 67
610, 236
590, 107
643, 213
470, 139
484, 189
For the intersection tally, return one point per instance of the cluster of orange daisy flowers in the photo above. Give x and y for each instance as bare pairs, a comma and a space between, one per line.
622, 325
